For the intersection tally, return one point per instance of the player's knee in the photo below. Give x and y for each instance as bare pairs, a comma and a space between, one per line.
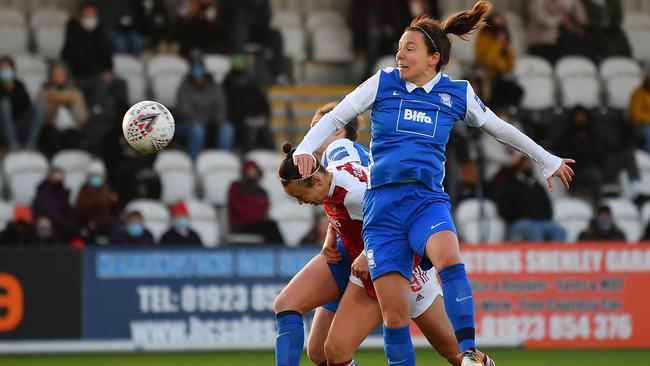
281, 303
395, 317
316, 354
336, 350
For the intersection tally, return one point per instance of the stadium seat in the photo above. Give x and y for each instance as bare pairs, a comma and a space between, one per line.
32, 71
384, 62
573, 215
645, 215
204, 220
324, 19
332, 45
24, 171
130, 69
453, 69
462, 50
533, 66
74, 164
517, 32
6, 214
217, 169
217, 65
269, 162
643, 161
13, 40
571, 66
49, 41
155, 214
637, 29
580, 90
45, 17
166, 73
535, 75
286, 18
176, 176
619, 66
163, 64
294, 41
11, 17
294, 221
619, 90
475, 229
496, 155
626, 215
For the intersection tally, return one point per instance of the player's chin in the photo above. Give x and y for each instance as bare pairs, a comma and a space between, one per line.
403, 73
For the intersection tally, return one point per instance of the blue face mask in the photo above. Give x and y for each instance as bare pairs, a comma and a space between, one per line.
180, 223
135, 229
198, 71
96, 181
6, 74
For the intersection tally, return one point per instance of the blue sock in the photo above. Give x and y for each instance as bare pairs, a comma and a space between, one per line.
398, 346
459, 304
290, 340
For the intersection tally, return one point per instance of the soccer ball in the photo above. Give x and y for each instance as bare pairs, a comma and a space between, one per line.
148, 126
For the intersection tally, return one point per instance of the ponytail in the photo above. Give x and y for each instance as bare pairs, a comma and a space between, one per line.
289, 172
469, 21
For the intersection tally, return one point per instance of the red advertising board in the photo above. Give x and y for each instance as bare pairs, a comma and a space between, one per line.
562, 296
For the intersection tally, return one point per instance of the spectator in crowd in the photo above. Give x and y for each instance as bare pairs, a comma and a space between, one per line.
152, 20
493, 47
53, 200
17, 114
45, 233
602, 228
544, 20
133, 232
20, 230
605, 19
97, 206
64, 109
249, 22
481, 83
575, 37
640, 111
646, 235
86, 49
202, 104
525, 206
199, 25
118, 21
319, 231
248, 206
250, 115
180, 233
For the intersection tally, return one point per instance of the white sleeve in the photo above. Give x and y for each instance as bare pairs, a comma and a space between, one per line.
476, 110
354, 203
340, 152
507, 134
355, 103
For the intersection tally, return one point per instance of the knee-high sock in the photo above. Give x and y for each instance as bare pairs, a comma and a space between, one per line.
398, 346
459, 304
290, 339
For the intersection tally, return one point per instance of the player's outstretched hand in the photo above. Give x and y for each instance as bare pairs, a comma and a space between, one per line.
564, 172
305, 163
360, 267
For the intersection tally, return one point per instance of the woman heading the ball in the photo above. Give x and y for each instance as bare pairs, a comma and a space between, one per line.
406, 211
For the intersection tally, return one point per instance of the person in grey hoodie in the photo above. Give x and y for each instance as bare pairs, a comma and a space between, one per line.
202, 102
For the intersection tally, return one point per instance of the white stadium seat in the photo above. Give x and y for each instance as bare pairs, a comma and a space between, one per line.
637, 29
269, 162
13, 40
42, 17
533, 66
332, 45
573, 215
74, 164
294, 41
154, 213
496, 155
294, 221
643, 162
463, 50
24, 171
218, 66
49, 41
6, 214
645, 215
384, 62
286, 18
163, 64
580, 90
475, 229
11, 17
176, 176
619, 90
627, 218
453, 69
203, 219
32, 71
539, 92
619, 66
217, 170
130, 69
324, 19
570, 66
166, 73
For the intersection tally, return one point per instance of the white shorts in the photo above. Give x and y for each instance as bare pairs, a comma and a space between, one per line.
423, 291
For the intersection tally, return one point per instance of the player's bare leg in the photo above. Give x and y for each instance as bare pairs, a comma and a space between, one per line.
436, 327
357, 316
320, 326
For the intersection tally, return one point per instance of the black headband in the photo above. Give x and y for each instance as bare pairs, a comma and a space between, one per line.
428, 36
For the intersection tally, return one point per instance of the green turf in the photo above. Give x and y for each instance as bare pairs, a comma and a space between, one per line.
504, 357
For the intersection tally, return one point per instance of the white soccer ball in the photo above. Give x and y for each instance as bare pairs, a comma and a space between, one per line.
148, 126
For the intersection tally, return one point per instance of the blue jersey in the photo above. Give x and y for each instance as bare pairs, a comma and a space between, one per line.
411, 126
343, 151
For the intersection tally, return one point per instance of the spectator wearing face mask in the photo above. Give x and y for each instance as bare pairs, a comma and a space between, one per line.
602, 228
97, 206
20, 230
53, 201
248, 206
44, 233
180, 233
133, 233
18, 116
202, 107
86, 49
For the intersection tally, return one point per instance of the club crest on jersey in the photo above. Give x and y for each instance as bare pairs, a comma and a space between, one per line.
370, 255
445, 99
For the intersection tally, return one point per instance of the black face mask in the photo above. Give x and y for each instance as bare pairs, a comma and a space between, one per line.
57, 185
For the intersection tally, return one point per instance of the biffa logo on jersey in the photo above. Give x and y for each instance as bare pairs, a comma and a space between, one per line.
413, 115
417, 117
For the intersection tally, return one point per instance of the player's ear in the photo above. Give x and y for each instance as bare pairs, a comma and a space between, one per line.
434, 59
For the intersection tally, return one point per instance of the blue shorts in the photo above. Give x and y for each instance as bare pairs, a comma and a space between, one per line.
397, 221
341, 273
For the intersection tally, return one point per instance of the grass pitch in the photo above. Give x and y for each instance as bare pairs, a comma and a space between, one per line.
503, 357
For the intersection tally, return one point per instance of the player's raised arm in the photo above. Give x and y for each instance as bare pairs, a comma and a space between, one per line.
355, 103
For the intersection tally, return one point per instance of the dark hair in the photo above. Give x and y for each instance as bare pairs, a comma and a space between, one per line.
9, 60
351, 129
134, 213
289, 171
461, 24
